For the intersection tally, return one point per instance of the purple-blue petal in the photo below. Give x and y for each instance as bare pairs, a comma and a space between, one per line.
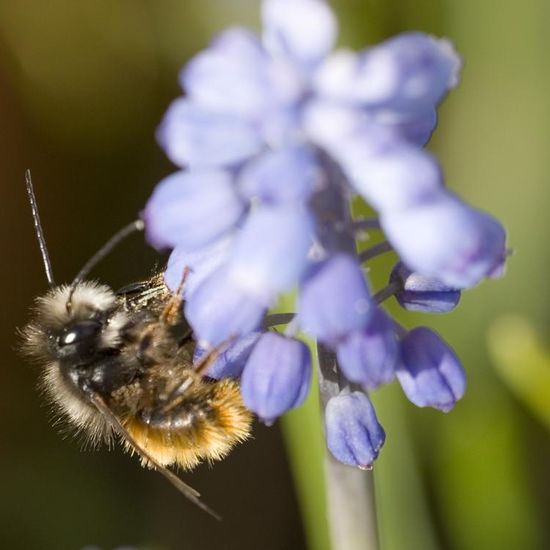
415, 127
446, 239
430, 373
286, 175
219, 309
346, 131
369, 356
394, 179
270, 252
420, 293
191, 209
277, 376
196, 136
231, 361
229, 76
411, 71
197, 264
334, 299
303, 31
354, 435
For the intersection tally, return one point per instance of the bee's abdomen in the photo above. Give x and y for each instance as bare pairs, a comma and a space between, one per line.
202, 425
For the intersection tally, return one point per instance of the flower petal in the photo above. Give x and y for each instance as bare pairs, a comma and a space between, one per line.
394, 179
353, 433
277, 376
231, 360
406, 73
195, 136
201, 264
270, 253
444, 238
302, 30
343, 130
421, 293
191, 209
369, 356
230, 75
430, 373
284, 176
334, 299
220, 309
415, 128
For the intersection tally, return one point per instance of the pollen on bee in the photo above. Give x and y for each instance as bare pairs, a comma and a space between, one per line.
203, 428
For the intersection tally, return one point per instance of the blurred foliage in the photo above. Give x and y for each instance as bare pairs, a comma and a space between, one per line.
83, 86
523, 363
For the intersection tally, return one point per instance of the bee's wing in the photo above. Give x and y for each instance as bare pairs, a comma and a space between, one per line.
192, 494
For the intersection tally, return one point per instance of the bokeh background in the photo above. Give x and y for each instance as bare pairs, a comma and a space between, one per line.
82, 87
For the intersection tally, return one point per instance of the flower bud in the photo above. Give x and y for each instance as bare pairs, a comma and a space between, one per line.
196, 136
368, 357
231, 360
196, 265
334, 299
270, 251
301, 30
421, 293
444, 238
277, 376
219, 309
192, 209
353, 433
297, 167
430, 373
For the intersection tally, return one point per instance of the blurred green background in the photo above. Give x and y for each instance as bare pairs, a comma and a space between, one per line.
82, 87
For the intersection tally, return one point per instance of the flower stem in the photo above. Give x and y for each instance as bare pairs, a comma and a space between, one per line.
350, 491
387, 292
366, 223
274, 319
374, 251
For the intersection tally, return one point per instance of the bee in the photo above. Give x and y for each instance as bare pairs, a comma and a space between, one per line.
120, 365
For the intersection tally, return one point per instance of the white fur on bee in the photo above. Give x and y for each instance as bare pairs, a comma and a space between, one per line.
79, 412
89, 298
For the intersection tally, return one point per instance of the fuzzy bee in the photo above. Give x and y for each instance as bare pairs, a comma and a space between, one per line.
120, 364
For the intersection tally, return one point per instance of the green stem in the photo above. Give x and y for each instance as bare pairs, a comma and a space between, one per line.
350, 491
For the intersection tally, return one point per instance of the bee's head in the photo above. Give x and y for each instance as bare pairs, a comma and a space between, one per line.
80, 340
75, 335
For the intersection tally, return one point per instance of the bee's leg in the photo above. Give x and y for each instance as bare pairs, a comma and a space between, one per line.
209, 358
117, 425
177, 395
171, 314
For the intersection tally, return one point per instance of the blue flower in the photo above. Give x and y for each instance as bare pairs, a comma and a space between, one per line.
220, 308
275, 136
353, 433
231, 360
369, 356
192, 209
334, 299
277, 376
444, 238
417, 292
430, 373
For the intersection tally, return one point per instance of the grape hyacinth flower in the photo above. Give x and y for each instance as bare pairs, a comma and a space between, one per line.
274, 137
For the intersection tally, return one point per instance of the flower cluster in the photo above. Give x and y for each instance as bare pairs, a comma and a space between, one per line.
274, 137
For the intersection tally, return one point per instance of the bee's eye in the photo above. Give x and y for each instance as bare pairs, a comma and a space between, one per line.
79, 332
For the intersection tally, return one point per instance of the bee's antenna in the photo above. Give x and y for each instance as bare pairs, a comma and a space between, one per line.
136, 225
38, 230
